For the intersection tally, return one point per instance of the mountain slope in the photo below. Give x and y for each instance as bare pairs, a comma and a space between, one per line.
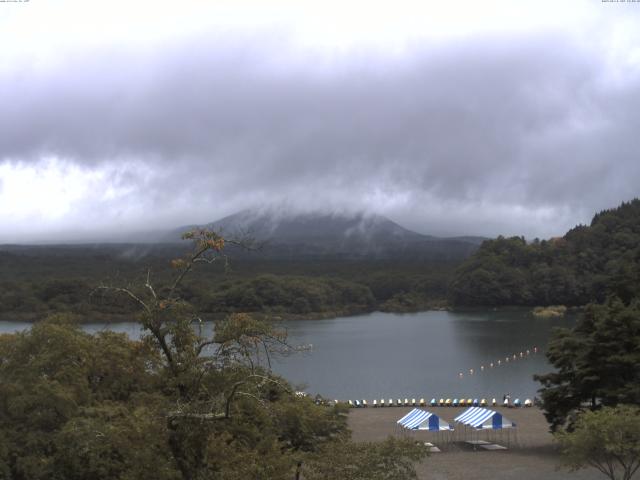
336, 234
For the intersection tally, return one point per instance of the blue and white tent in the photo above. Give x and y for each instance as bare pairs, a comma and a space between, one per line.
418, 419
483, 418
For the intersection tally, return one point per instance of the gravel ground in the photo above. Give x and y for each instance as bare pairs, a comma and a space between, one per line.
530, 456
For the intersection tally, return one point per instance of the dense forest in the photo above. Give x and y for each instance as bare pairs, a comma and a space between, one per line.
588, 264
39, 280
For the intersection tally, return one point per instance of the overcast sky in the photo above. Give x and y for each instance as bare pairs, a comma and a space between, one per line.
481, 117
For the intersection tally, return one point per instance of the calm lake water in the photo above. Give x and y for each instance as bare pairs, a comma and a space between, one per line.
409, 355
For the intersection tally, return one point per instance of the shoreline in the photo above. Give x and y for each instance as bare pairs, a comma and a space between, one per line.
33, 317
96, 317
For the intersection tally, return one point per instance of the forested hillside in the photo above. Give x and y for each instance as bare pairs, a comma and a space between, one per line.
298, 266
41, 280
586, 265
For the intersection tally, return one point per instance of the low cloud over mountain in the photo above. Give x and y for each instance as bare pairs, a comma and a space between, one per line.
485, 129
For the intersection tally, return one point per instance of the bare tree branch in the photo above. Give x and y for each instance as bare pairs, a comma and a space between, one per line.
127, 292
149, 286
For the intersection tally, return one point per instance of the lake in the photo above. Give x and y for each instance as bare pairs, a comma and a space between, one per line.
409, 355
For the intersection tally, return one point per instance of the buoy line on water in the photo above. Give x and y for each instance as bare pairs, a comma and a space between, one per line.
448, 402
502, 361
433, 403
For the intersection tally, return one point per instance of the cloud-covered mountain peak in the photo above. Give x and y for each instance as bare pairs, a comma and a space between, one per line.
282, 226
291, 233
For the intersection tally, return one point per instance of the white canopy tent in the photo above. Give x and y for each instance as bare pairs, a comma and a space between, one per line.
418, 419
477, 420
483, 418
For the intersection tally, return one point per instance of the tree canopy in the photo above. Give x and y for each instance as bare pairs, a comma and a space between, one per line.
596, 362
586, 265
607, 439
177, 404
36, 281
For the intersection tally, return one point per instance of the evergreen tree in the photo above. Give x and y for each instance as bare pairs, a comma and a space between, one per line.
596, 362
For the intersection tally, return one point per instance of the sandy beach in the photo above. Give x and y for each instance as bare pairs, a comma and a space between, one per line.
532, 457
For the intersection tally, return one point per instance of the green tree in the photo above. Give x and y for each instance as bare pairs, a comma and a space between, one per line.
74, 405
607, 439
217, 385
586, 265
226, 415
181, 403
596, 362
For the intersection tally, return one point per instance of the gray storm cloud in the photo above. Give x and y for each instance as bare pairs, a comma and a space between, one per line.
523, 135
